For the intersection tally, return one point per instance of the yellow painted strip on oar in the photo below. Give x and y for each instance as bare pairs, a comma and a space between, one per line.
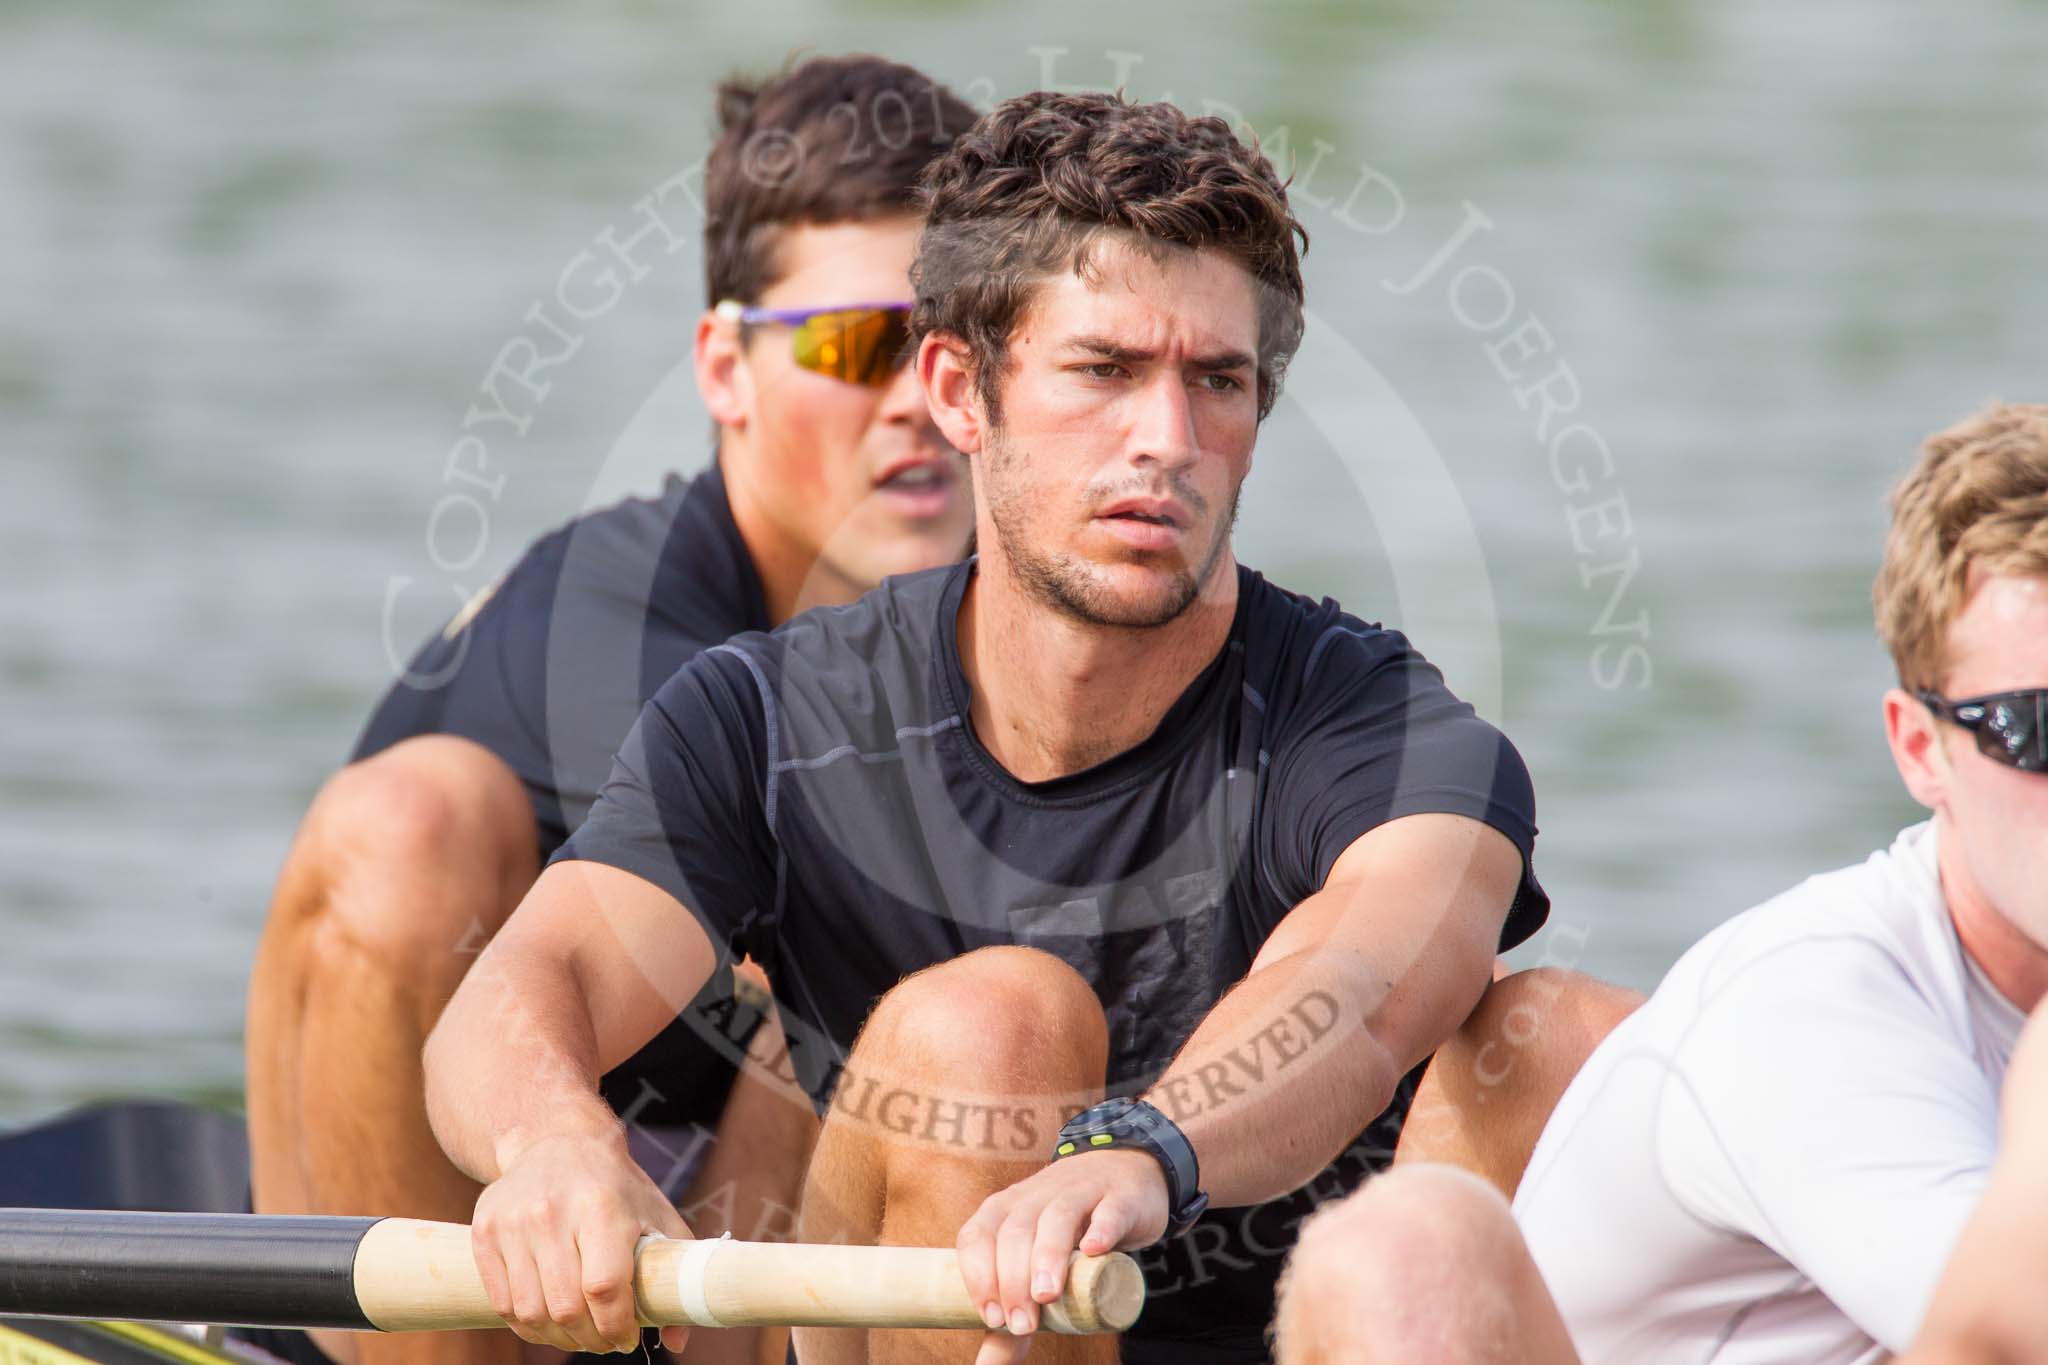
171, 1344
19, 1348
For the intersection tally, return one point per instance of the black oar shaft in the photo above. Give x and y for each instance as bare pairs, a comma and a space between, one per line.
181, 1267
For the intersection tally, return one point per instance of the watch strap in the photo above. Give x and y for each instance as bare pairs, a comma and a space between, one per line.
1140, 1124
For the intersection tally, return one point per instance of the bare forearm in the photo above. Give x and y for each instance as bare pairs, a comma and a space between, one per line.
1357, 984
512, 1060
1985, 1309
588, 969
579, 978
1280, 1076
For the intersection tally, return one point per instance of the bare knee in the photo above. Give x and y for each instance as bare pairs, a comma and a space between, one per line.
1415, 1215
989, 1051
1535, 1028
1580, 1005
418, 797
995, 1012
1418, 1252
955, 1087
412, 855
1493, 1084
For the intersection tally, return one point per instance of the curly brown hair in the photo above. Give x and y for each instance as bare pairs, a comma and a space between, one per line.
833, 140
1037, 183
1978, 498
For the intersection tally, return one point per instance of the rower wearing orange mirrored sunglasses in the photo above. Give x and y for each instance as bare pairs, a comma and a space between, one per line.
861, 343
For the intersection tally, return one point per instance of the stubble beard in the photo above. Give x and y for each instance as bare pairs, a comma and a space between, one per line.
1067, 584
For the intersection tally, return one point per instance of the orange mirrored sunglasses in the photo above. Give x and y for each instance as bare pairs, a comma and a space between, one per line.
860, 343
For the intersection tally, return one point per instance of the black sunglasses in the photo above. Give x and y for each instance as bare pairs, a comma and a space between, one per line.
2011, 727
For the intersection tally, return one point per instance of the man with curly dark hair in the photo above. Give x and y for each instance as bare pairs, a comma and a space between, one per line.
1101, 812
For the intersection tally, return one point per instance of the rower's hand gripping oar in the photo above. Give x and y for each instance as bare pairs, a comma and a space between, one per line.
726, 1283
404, 1275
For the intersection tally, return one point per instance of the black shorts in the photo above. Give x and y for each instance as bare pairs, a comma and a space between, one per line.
284, 1346
672, 1092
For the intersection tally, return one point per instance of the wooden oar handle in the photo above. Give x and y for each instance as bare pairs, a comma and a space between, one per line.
419, 1276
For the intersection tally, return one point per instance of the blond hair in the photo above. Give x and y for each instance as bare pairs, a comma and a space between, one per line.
1977, 499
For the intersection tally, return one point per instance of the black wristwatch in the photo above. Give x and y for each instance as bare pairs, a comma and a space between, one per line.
1134, 1123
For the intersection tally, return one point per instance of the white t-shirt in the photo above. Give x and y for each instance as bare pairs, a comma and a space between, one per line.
1772, 1159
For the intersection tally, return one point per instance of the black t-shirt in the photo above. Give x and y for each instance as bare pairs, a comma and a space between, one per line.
550, 670
817, 798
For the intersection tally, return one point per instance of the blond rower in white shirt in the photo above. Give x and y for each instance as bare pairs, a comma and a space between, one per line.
1774, 1158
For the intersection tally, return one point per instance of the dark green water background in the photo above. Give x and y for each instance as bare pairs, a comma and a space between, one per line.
255, 259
